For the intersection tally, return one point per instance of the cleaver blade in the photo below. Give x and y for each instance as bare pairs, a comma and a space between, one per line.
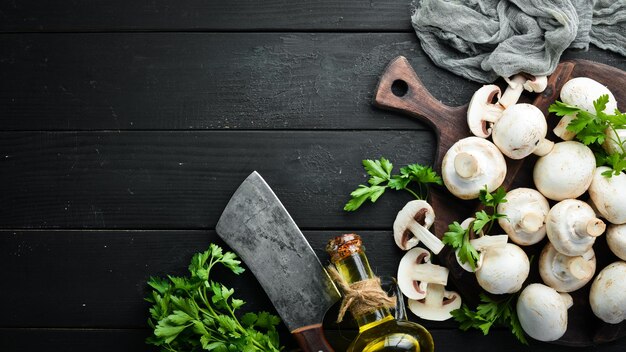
256, 225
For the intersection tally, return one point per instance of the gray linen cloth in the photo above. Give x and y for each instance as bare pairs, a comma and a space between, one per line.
484, 39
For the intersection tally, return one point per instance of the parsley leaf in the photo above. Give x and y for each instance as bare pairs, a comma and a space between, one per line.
192, 312
489, 312
592, 129
381, 179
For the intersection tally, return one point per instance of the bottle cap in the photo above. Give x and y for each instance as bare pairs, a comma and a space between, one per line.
344, 246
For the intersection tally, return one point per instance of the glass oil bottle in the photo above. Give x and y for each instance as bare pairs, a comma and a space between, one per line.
378, 329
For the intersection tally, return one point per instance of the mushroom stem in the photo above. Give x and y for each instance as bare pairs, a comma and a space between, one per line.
492, 113
580, 268
430, 273
544, 147
466, 165
486, 242
561, 130
592, 227
430, 241
435, 295
513, 91
531, 222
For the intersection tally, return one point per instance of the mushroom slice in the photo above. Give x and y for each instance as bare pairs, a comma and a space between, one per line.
504, 269
481, 244
521, 131
542, 312
437, 304
481, 113
526, 210
416, 273
470, 164
412, 224
616, 239
607, 298
517, 84
564, 273
565, 172
581, 92
608, 195
572, 227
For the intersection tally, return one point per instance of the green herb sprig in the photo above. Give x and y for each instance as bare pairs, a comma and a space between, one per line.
195, 313
459, 238
590, 130
491, 311
381, 179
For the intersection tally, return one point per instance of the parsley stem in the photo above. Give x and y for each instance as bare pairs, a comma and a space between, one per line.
413, 193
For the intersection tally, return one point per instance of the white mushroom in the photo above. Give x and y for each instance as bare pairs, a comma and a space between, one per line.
411, 227
416, 273
504, 269
521, 131
481, 244
564, 273
609, 195
565, 172
526, 211
542, 312
481, 113
616, 239
437, 305
470, 164
517, 84
612, 139
572, 227
581, 92
608, 293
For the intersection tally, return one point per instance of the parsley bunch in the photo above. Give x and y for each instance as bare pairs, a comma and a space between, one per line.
487, 313
381, 179
590, 130
459, 238
195, 313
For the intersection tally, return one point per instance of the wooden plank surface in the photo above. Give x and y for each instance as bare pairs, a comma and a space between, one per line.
183, 180
184, 15
165, 81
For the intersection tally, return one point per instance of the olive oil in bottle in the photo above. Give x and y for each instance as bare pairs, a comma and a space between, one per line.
378, 329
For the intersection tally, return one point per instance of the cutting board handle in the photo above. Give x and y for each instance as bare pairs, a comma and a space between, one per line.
311, 339
400, 89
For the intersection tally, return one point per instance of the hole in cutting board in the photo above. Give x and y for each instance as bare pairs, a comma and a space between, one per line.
399, 88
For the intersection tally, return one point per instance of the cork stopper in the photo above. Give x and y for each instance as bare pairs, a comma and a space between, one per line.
344, 246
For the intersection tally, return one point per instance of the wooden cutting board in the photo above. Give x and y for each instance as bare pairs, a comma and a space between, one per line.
400, 89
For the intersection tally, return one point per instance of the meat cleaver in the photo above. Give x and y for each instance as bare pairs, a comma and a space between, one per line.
256, 225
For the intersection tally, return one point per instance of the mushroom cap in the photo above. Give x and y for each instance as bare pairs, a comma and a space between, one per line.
489, 167
437, 305
416, 272
565, 172
608, 195
417, 210
607, 298
572, 227
479, 107
519, 130
564, 273
610, 144
616, 239
542, 312
526, 210
582, 91
504, 269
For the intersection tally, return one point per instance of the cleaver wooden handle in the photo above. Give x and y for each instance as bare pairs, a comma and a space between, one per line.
311, 339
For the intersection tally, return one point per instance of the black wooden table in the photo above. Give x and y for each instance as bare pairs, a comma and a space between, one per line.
127, 125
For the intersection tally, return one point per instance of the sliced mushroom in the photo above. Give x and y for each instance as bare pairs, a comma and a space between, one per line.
481, 244
609, 195
481, 113
572, 227
607, 298
564, 273
504, 269
581, 92
542, 312
412, 224
616, 239
416, 273
470, 164
437, 305
526, 210
517, 84
521, 131
565, 172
